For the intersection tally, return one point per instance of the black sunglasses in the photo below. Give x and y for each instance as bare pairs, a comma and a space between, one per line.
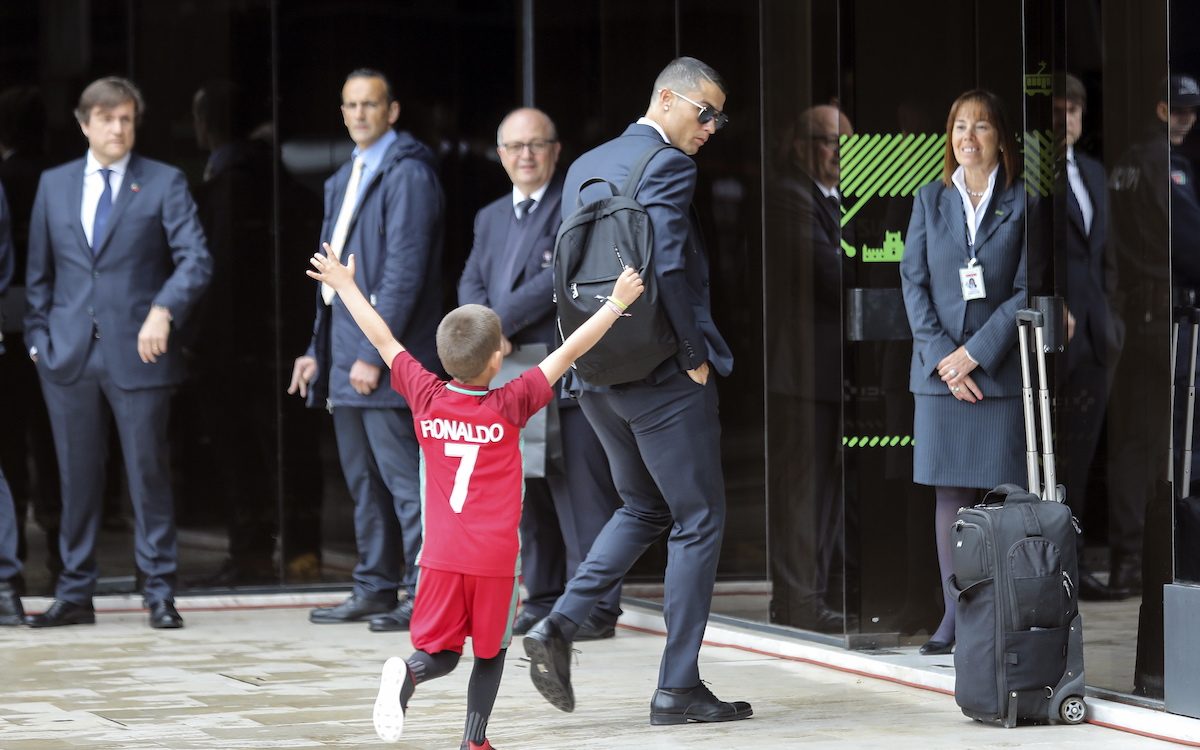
707, 114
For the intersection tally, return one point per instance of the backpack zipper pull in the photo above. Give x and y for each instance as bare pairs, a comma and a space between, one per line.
574, 290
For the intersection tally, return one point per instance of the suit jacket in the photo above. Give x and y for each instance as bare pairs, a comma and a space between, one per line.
1091, 273
934, 249
6, 255
395, 235
680, 262
153, 253
519, 289
806, 289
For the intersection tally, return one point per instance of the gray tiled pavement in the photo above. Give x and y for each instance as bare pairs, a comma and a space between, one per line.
266, 678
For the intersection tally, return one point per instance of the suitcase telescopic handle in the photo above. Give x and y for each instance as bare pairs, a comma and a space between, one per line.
1036, 320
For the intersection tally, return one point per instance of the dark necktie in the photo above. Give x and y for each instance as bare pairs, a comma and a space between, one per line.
103, 209
836, 205
524, 207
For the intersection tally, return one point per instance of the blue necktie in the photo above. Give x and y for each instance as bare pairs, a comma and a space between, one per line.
103, 209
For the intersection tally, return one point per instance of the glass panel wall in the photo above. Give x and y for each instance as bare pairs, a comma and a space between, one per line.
838, 116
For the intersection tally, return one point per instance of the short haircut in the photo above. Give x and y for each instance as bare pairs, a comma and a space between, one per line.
553, 129
466, 339
1072, 89
686, 74
372, 73
993, 112
107, 93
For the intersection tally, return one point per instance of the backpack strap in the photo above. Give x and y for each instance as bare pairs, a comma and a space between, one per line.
635, 174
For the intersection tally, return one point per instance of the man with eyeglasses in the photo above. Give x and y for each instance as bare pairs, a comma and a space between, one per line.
384, 206
804, 379
661, 434
510, 269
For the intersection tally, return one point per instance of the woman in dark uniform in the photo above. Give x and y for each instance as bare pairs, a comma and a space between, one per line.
963, 276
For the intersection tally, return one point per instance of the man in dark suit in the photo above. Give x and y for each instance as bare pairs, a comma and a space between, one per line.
805, 376
1095, 340
385, 206
510, 270
11, 612
26, 439
117, 261
661, 434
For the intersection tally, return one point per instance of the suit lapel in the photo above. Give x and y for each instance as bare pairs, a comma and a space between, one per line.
130, 188
1000, 211
75, 190
950, 208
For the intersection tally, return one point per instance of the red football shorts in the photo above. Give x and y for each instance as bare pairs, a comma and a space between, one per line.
451, 606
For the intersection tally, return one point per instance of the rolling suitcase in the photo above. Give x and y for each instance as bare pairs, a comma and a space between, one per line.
1187, 507
1018, 632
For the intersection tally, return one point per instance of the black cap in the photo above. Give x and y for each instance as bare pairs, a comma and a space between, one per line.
1180, 91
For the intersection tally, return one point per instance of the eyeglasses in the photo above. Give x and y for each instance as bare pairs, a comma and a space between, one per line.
829, 141
707, 113
535, 147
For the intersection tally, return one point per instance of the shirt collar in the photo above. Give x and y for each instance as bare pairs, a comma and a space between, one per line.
959, 178
656, 126
1071, 155
372, 156
119, 166
518, 196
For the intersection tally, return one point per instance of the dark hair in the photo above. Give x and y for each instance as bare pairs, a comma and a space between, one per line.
687, 73
993, 112
372, 73
107, 93
1072, 89
466, 339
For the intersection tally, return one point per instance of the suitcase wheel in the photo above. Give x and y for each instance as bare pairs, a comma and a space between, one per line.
1073, 710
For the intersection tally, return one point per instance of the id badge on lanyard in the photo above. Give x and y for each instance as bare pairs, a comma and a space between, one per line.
971, 277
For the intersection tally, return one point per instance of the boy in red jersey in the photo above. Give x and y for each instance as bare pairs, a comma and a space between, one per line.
474, 481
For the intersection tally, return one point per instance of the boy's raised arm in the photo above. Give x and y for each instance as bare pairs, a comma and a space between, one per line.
329, 270
627, 289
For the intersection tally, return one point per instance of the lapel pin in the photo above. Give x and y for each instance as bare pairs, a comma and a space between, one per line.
999, 212
135, 187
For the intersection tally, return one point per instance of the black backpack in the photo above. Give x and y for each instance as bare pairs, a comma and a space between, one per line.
593, 246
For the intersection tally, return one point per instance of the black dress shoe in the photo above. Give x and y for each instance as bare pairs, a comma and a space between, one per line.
550, 664
11, 611
697, 704
1126, 577
822, 619
937, 648
1091, 590
164, 616
595, 629
354, 609
525, 620
62, 612
395, 621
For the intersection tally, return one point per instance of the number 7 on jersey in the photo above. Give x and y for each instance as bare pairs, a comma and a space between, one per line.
468, 453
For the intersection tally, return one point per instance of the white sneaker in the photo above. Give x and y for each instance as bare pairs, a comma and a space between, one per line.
388, 715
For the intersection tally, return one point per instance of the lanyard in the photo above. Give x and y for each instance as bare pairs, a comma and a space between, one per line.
967, 234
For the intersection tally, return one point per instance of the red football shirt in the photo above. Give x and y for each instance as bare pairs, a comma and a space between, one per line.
474, 479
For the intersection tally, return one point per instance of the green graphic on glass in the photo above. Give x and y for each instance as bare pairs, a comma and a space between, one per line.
877, 441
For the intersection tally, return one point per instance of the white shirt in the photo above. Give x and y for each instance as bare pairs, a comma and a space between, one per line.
656, 126
1075, 180
93, 187
518, 196
974, 214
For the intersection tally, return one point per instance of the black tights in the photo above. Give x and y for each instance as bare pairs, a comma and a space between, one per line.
481, 691
949, 500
